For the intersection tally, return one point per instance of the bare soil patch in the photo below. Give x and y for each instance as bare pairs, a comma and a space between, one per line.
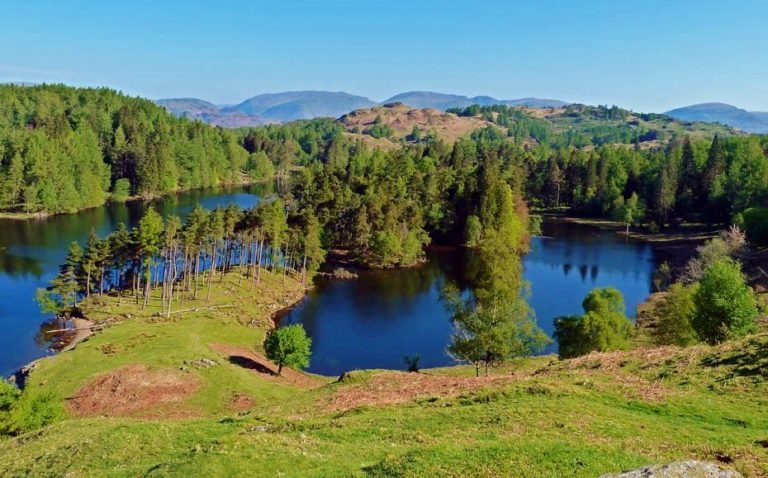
134, 390
263, 367
388, 388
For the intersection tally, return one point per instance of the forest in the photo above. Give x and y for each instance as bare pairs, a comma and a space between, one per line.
183, 258
64, 149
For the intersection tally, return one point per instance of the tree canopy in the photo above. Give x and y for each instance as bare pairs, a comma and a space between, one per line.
288, 345
603, 326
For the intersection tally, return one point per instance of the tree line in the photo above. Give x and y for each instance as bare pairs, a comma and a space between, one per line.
711, 181
63, 149
178, 260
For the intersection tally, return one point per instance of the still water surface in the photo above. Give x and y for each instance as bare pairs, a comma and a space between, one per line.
369, 322
377, 319
31, 251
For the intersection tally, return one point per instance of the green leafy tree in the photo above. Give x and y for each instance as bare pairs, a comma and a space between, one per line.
496, 324
313, 252
120, 249
629, 211
726, 306
150, 240
487, 335
121, 190
674, 316
288, 346
65, 286
473, 231
603, 327
754, 221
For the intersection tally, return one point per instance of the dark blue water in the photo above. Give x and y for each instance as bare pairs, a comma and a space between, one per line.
30, 252
377, 319
370, 322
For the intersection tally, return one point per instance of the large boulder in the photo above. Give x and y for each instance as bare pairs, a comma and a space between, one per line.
678, 469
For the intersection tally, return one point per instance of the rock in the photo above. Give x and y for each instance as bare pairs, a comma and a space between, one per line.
202, 363
342, 273
678, 469
19, 378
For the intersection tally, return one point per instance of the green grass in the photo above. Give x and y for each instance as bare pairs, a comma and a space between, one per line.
581, 417
156, 342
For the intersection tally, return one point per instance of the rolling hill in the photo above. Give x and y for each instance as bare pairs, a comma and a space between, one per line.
442, 101
197, 397
296, 105
574, 125
385, 126
197, 109
751, 122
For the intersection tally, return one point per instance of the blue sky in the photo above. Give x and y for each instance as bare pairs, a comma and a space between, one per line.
649, 56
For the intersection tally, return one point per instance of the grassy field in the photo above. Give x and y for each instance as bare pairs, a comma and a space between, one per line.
533, 417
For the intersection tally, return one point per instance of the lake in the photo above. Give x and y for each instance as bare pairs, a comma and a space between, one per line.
31, 251
376, 320
369, 322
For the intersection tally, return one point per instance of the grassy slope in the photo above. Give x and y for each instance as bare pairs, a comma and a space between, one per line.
146, 338
583, 417
562, 122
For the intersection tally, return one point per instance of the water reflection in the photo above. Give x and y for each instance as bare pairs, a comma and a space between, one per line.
30, 252
374, 321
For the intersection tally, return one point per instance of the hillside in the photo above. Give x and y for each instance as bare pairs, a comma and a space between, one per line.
202, 110
194, 396
575, 125
442, 101
586, 126
395, 122
295, 105
65, 149
751, 122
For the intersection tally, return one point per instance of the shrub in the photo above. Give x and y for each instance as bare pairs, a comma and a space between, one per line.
726, 306
730, 243
121, 190
473, 231
675, 314
755, 223
379, 131
289, 346
27, 411
34, 410
603, 327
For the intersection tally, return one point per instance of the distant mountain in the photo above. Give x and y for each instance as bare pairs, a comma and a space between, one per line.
294, 105
191, 107
442, 101
197, 109
429, 99
535, 103
751, 122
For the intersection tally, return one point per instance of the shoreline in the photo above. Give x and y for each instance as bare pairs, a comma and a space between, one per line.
85, 327
40, 215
